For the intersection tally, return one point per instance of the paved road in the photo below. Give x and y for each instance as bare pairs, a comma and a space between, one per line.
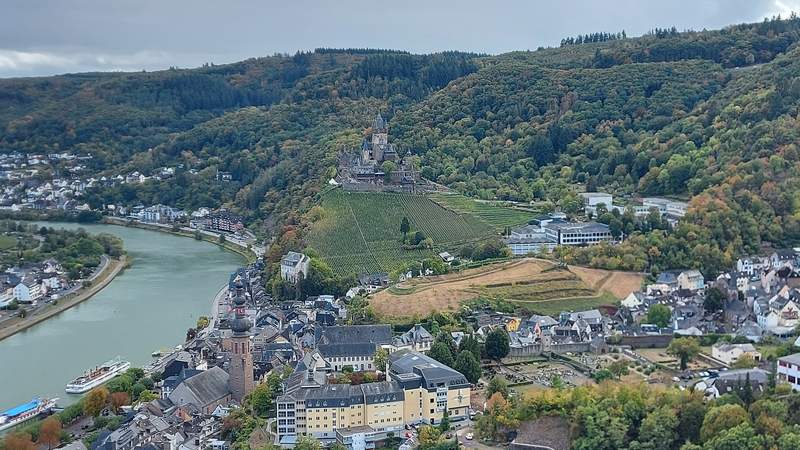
474, 443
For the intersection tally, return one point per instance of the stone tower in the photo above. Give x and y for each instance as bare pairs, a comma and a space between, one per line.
380, 137
240, 373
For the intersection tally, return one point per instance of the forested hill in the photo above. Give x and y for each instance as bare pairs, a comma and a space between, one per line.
711, 116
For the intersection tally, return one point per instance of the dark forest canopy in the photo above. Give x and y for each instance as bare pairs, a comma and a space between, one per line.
710, 116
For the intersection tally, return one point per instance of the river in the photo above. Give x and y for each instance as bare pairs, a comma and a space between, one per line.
147, 307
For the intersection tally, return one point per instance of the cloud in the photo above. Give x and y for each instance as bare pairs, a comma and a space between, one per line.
21, 63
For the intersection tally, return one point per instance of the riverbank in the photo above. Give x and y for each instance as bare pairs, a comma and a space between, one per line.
113, 268
245, 251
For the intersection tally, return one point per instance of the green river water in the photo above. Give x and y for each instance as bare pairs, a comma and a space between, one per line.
149, 306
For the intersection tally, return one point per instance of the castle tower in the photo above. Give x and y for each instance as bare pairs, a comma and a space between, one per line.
380, 137
240, 373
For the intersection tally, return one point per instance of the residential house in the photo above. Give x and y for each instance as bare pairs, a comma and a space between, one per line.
417, 339
294, 266
691, 280
789, 370
730, 353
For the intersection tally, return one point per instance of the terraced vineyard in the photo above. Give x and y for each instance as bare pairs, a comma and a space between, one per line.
360, 232
497, 214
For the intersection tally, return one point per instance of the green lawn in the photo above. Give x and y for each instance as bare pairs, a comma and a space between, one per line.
360, 232
497, 214
7, 242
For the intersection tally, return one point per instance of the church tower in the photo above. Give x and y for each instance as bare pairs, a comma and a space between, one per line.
380, 137
240, 372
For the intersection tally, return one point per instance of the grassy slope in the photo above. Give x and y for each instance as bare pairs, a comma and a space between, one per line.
360, 232
496, 214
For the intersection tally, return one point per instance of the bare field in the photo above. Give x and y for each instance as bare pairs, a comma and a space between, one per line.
420, 297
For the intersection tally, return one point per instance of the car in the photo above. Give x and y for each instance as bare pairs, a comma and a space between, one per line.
676, 379
449, 436
468, 436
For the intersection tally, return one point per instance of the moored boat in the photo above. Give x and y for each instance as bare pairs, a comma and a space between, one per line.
97, 376
25, 412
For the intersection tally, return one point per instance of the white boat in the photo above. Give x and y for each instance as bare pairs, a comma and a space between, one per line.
97, 376
28, 411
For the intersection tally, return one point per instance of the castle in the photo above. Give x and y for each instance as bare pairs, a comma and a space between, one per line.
365, 170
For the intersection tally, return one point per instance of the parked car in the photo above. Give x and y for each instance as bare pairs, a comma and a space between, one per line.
468, 436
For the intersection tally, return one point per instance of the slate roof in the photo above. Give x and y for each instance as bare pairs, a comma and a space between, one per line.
794, 359
202, 389
433, 372
376, 334
347, 349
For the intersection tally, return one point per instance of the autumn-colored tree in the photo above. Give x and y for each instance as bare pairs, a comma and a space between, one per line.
18, 441
496, 402
50, 432
744, 362
429, 435
95, 401
685, 349
722, 418
120, 399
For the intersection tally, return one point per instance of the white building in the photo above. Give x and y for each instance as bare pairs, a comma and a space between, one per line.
28, 291
789, 370
591, 200
572, 233
730, 353
691, 280
293, 265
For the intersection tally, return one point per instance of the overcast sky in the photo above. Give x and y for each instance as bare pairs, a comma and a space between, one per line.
43, 37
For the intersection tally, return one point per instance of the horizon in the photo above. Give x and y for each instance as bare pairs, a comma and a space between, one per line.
97, 37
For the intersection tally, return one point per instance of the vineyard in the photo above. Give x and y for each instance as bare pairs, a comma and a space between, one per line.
360, 232
496, 214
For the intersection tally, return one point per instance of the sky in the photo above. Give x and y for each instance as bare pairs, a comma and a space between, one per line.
46, 37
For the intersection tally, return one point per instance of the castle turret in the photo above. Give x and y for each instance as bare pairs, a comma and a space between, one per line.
240, 373
380, 137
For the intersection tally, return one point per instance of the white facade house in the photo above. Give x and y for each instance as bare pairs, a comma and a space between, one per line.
591, 200
293, 265
789, 370
730, 353
691, 280
28, 292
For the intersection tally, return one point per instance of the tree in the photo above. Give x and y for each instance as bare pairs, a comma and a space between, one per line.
744, 362
659, 315
306, 442
202, 322
50, 432
497, 384
602, 375
444, 425
618, 368
120, 399
497, 344
405, 227
381, 358
148, 396
261, 399
685, 349
714, 299
441, 352
18, 441
95, 401
721, 418
429, 435
468, 366
659, 429
419, 236
472, 345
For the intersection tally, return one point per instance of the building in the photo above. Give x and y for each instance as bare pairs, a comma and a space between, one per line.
672, 210
204, 391
294, 266
240, 371
572, 233
591, 200
224, 221
730, 353
160, 214
417, 339
28, 291
691, 280
529, 239
789, 370
418, 390
352, 346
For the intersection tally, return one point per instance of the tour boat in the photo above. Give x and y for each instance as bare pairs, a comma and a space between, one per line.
22, 413
97, 376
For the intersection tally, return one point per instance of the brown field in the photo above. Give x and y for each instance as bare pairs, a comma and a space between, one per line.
420, 297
